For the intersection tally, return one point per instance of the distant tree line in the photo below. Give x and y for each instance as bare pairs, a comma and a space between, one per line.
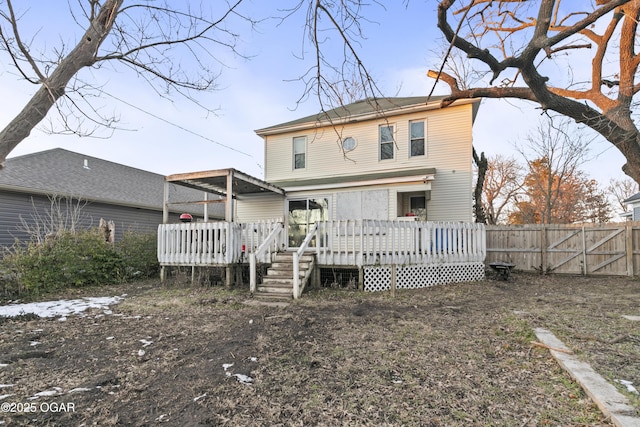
548, 186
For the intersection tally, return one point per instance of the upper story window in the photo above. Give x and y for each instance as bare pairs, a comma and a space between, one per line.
416, 138
386, 142
300, 152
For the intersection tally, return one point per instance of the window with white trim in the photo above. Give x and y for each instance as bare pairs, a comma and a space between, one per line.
300, 152
386, 142
416, 138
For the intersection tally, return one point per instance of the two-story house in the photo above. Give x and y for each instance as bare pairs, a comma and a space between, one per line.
359, 185
374, 159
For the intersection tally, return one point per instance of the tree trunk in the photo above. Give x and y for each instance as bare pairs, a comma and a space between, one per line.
83, 55
482, 164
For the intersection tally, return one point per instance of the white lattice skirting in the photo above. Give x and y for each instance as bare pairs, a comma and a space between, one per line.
421, 276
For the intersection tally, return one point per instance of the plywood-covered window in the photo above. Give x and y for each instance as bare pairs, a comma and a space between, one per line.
300, 152
416, 138
386, 142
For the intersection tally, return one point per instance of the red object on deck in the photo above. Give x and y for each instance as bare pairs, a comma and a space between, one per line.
185, 217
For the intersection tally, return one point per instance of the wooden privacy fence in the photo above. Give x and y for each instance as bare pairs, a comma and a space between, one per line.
597, 249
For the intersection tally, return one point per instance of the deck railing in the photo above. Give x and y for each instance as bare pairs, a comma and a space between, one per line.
349, 242
374, 242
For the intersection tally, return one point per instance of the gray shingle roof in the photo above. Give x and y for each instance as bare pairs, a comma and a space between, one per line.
633, 198
359, 108
66, 173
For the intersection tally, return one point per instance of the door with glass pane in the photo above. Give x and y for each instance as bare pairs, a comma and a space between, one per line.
302, 215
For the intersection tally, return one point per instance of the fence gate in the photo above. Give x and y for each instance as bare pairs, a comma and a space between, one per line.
568, 249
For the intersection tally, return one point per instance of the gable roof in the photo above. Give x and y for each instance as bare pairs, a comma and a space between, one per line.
633, 198
66, 173
366, 109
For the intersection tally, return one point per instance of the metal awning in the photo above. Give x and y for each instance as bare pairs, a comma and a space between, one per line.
227, 183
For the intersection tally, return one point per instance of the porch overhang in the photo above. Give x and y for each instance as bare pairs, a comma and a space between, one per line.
228, 184
425, 176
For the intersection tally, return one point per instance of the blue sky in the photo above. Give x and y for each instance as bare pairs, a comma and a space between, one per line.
260, 92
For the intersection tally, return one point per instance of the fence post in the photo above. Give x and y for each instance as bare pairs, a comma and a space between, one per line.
543, 245
585, 268
629, 248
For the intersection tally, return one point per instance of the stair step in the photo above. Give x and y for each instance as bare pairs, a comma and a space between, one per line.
289, 265
284, 273
272, 297
277, 281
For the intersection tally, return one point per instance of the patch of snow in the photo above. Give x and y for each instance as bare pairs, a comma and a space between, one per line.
62, 319
163, 418
34, 343
243, 379
78, 390
226, 366
195, 399
6, 385
253, 359
4, 396
251, 321
110, 338
632, 318
628, 385
141, 353
3, 365
146, 343
46, 393
58, 308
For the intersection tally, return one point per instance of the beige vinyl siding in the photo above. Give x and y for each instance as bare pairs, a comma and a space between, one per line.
448, 146
448, 136
260, 208
451, 197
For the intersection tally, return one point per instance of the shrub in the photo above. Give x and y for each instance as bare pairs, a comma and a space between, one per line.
76, 259
140, 255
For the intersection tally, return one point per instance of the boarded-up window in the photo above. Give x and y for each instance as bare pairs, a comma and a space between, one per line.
371, 204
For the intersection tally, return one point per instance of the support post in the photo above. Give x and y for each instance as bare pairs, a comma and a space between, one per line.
361, 278
393, 280
629, 248
228, 216
252, 273
296, 276
228, 276
165, 204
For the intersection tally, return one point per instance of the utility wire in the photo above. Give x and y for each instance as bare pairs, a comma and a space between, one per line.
176, 125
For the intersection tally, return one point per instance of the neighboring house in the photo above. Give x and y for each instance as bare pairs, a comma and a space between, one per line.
357, 184
130, 197
633, 206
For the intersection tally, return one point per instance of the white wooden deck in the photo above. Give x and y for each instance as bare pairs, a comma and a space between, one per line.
445, 246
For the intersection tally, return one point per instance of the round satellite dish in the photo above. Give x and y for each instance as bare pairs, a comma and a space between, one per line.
348, 144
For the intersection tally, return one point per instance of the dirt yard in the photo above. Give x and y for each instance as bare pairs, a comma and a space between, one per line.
454, 355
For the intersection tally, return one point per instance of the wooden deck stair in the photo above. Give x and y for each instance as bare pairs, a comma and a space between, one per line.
277, 284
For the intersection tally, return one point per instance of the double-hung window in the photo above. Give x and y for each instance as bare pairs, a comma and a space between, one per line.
386, 142
299, 152
416, 138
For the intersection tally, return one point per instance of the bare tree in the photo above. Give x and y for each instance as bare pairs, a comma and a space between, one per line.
153, 38
503, 183
64, 214
622, 189
554, 152
524, 44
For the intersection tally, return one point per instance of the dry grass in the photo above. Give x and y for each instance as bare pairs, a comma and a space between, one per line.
445, 356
